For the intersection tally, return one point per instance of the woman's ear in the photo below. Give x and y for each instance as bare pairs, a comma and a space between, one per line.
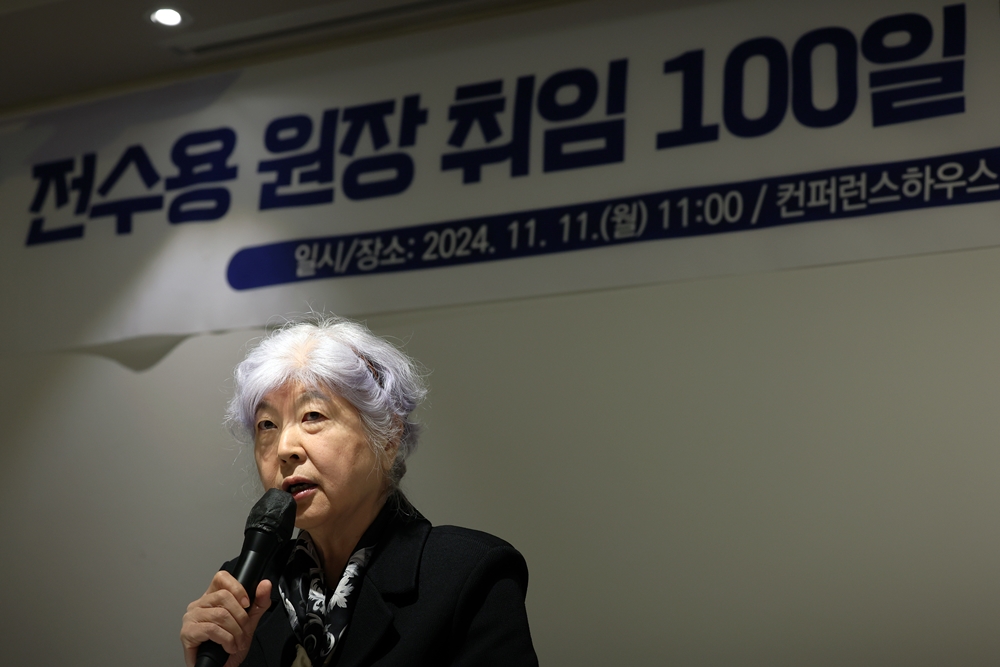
388, 453
390, 450
391, 447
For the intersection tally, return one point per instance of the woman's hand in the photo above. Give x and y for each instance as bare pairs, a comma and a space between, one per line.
220, 615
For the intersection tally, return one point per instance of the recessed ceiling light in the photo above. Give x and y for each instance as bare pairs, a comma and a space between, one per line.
166, 16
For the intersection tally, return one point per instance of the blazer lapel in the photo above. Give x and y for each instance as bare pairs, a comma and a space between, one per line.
392, 573
274, 641
369, 622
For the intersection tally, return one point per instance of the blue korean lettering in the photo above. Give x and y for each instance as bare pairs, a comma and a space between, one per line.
203, 166
953, 43
55, 176
887, 107
937, 84
899, 93
388, 173
413, 117
558, 153
916, 27
479, 104
396, 169
202, 205
365, 177
55, 173
371, 116
813, 197
292, 133
201, 157
123, 209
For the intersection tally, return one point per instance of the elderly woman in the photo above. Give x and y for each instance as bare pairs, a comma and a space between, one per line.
326, 406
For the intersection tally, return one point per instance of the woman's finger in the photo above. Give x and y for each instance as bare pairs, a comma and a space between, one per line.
261, 603
219, 615
194, 634
223, 581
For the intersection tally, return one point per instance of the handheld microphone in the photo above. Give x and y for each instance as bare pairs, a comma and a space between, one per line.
269, 526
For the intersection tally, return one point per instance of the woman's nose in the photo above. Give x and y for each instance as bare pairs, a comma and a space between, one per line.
290, 446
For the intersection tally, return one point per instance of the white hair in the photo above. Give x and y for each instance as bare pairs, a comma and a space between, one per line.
344, 357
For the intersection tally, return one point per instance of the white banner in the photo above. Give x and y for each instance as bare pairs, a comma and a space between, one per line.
723, 139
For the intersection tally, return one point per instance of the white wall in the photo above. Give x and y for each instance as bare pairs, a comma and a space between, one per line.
792, 468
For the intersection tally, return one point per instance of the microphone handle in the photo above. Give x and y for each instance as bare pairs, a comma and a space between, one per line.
211, 654
257, 549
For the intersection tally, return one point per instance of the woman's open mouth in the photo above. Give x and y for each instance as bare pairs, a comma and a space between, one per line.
300, 489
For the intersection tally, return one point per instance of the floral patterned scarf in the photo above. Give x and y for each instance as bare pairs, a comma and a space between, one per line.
318, 615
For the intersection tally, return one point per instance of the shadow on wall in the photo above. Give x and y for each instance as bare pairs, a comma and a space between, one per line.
137, 354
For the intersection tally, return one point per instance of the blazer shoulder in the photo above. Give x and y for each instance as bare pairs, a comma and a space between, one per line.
457, 537
458, 552
481, 582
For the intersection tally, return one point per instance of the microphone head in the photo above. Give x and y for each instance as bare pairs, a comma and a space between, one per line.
274, 513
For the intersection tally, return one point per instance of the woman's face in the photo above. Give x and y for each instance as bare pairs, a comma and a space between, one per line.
311, 443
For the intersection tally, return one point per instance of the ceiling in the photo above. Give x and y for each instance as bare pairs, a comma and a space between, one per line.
60, 51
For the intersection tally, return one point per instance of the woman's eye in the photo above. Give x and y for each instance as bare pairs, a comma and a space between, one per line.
312, 416
265, 424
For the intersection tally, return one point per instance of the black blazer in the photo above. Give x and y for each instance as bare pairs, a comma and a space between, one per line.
431, 596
